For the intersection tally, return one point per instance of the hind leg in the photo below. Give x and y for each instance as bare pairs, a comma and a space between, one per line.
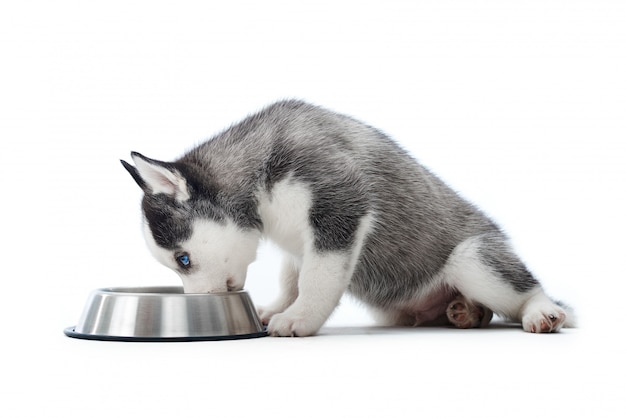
462, 313
441, 306
487, 272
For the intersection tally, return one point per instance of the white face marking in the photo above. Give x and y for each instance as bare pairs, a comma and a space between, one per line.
219, 256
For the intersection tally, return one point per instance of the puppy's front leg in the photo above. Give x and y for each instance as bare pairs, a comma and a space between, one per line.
323, 280
288, 281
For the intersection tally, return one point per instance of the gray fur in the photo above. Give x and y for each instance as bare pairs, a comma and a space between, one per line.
352, 170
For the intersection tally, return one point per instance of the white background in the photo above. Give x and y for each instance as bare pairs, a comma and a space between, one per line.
520, 106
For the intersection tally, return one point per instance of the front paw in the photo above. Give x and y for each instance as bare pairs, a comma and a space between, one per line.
265, 314
289, 325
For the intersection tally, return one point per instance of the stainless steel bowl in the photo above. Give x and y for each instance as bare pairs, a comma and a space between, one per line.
166, 314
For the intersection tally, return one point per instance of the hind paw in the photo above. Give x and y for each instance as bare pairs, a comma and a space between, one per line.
463, 314
545, 320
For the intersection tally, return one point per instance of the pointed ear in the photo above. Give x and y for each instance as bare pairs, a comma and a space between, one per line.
158, 177
133, 172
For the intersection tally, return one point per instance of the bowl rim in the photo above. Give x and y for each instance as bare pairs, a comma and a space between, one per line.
161, 291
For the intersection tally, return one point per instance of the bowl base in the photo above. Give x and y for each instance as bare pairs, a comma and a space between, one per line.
69, 331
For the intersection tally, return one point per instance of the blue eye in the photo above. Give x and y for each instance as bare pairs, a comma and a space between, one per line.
183, 260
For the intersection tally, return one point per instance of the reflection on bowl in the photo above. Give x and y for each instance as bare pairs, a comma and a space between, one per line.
166, 314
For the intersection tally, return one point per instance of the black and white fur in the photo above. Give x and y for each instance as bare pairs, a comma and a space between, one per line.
352, 212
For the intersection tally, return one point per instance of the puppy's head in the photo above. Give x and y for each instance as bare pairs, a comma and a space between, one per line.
187, 231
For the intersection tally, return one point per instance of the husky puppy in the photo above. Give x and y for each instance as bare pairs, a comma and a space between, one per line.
352, 212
